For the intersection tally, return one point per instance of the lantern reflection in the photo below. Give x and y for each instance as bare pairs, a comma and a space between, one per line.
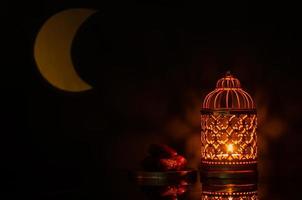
171, 185
228, 123
229, 190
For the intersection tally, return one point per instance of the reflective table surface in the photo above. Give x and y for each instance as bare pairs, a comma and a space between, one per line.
215, 189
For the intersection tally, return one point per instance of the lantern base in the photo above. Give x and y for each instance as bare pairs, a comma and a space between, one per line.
248, 171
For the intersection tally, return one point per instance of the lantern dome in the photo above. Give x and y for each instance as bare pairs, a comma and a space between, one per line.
228, 95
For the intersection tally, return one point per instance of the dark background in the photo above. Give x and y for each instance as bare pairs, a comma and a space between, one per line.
150, 65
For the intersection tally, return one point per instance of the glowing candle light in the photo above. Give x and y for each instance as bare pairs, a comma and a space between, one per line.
230, 148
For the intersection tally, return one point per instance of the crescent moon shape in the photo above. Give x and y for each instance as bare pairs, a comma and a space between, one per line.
52, 49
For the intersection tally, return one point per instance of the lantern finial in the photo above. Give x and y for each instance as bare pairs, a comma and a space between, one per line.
228, 73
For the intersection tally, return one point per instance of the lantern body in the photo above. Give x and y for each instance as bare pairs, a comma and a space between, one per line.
228, 130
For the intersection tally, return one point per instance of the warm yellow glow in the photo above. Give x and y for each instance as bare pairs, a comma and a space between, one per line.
230, 148
52, 49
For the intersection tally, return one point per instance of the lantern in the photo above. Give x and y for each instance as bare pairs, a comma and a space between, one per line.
228, 135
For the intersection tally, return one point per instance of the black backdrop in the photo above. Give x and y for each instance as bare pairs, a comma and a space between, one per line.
150, 65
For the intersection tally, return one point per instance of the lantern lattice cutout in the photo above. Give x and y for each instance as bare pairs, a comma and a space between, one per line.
228, 123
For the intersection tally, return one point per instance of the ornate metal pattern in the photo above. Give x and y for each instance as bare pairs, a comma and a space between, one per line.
219, 131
